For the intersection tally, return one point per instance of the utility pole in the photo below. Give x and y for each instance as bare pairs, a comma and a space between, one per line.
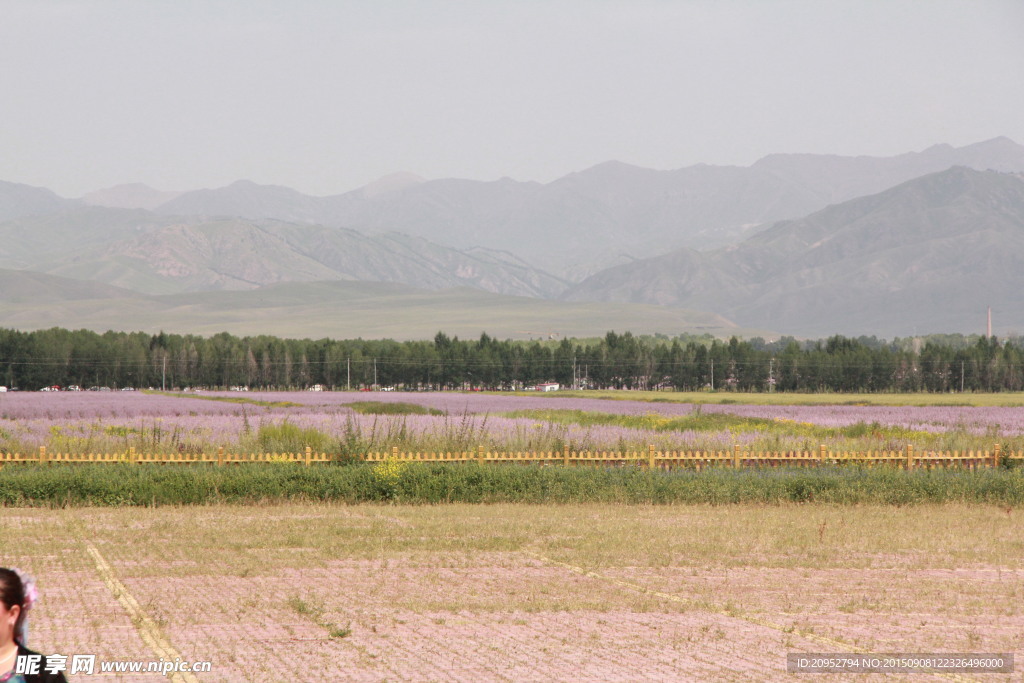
348, 374
374, 373
961, 377
712, 374
163, 375
771, 375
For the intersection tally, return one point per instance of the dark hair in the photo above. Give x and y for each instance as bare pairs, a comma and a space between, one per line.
12, 592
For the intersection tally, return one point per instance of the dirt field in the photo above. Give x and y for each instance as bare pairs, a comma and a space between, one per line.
518, 593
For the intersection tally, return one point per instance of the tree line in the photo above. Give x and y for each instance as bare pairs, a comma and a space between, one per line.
31, 360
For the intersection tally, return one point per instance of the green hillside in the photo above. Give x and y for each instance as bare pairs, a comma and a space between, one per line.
355, 309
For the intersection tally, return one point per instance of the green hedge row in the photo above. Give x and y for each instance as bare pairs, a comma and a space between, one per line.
425, 483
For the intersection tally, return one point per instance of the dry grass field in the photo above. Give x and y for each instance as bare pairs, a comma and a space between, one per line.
518, 593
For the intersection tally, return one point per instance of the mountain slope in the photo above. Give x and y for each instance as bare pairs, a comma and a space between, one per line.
27, 287
927, 255
159, 255
17, 200
57, 237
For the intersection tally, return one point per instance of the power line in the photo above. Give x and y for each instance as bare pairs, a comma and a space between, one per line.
642, 363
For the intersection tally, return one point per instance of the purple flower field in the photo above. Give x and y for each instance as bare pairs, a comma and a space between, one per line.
1000, 421
979, 420
88, 422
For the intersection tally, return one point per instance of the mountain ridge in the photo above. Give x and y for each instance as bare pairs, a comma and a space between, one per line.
130, 196
603, 215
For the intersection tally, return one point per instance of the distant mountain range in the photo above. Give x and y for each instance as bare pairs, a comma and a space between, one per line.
928, 255
800, 244
605, 215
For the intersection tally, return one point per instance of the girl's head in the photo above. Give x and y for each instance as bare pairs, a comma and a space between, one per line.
17, 593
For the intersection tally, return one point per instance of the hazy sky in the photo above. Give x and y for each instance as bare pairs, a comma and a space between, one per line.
326, 96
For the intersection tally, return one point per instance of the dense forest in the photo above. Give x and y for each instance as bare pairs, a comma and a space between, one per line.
31, 360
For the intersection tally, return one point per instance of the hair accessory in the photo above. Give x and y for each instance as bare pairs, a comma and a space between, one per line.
28, 585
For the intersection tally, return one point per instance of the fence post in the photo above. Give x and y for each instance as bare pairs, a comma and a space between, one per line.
736, 457
220, 455
821, 458
394, 452
309, 455
650, 456
910, 456
995, 455
42, 454
480, 454
565, 455
131, 455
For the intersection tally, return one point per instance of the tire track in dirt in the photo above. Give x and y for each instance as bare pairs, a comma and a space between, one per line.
148, 629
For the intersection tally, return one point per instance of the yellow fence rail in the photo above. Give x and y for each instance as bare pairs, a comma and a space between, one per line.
907, 458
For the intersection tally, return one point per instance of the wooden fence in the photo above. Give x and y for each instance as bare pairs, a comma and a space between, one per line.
907, 458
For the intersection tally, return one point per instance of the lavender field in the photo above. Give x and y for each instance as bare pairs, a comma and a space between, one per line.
354, 423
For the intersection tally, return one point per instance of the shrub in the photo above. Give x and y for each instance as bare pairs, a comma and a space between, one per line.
285, 437
432, 483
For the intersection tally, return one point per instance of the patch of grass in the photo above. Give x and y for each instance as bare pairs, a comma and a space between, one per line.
339, 632
285, 437
314, 609
397, 408
229, 399
304, 608
765, 428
